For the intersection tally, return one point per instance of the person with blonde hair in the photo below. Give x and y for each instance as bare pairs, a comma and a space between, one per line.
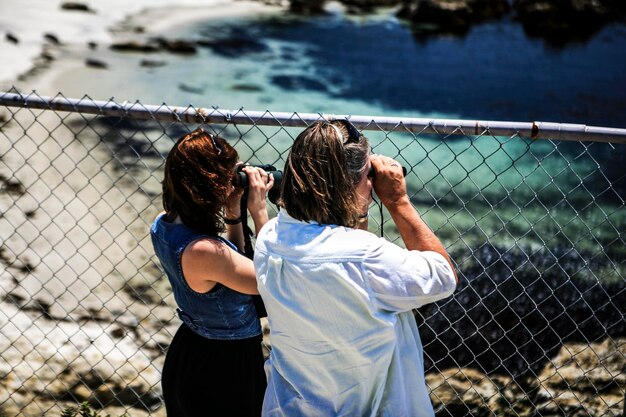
339, 299
214, 365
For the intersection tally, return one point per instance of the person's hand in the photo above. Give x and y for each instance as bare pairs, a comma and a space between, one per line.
259, 183
389, 183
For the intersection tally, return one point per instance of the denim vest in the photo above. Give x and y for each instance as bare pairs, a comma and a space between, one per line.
223, 313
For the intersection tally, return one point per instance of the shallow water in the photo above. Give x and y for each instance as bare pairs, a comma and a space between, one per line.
472, 191
376, 64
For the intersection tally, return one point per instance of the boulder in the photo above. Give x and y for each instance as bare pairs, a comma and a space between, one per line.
307, 7
52, 38
11, 38
135, 46
454, 15
451, 16
366, 6
66, 360
181, 47
584, 377
81, 7
96, 63
515, 308
468, 391
176, 46
566, 19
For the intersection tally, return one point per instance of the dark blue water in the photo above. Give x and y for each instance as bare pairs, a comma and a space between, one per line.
495, 72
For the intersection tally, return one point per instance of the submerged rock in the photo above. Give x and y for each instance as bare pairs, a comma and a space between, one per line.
298, 83
149, 63
247, 87
190, 89
235, 46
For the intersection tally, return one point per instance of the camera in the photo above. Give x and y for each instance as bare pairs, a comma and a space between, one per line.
241, 179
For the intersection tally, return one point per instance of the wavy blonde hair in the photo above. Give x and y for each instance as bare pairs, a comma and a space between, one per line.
324, 165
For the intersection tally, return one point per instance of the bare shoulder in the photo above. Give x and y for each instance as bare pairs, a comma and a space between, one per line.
207, 261
204, 261
206, 247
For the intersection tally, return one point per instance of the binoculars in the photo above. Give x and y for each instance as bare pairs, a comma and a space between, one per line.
241, 179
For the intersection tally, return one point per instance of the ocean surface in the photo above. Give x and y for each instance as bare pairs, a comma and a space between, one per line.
519, 194
375, 65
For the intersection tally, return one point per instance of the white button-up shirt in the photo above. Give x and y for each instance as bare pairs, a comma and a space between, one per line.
344, 339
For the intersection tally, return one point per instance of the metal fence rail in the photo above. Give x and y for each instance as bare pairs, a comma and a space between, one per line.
535, 227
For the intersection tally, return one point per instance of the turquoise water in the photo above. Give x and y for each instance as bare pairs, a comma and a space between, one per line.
376, 66
510, 191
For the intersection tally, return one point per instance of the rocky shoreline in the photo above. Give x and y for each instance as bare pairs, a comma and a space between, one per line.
557, 22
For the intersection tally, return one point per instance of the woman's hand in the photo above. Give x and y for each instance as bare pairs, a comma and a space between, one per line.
259, 183
389, 183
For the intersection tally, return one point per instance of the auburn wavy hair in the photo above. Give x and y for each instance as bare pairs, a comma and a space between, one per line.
324, 166
197, 180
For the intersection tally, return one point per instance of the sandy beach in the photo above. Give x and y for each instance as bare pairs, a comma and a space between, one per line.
30, 31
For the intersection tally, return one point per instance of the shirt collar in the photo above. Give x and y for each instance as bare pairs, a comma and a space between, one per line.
284, 217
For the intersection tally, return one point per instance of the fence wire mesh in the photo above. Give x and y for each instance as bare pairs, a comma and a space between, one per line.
535, 227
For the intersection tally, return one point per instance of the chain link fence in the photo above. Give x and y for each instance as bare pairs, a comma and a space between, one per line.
533, 215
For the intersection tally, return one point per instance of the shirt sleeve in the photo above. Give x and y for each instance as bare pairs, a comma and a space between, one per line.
401, 279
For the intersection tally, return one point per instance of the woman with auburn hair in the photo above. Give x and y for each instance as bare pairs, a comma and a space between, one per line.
214, 365
340, 299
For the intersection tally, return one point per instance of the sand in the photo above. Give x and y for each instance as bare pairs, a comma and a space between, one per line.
30, 21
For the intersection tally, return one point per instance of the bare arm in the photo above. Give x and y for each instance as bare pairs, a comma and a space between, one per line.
259, 183
390, 186
206, 262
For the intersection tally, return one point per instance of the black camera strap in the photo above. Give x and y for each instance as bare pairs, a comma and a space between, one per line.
248, 250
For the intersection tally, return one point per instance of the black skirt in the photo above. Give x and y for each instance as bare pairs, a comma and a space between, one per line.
204, 377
